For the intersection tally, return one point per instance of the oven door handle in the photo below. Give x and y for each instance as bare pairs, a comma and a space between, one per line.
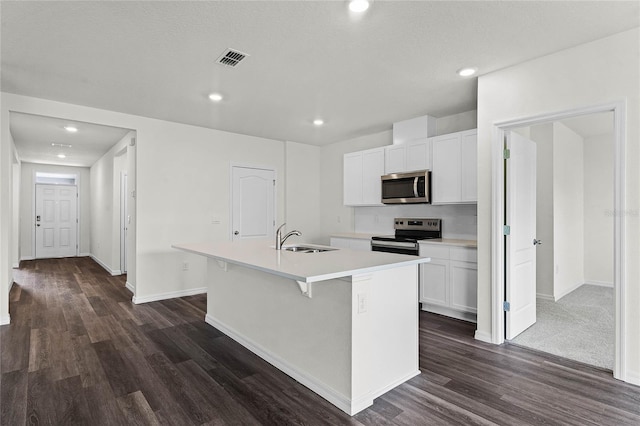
393, 244
415, 186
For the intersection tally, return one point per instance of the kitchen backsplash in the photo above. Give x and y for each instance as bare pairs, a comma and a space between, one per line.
458, 221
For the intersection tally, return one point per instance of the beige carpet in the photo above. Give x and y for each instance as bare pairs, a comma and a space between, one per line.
580, 326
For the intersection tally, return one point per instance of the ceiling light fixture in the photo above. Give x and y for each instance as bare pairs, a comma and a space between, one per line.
62, 156
60, 145
467, 72
71, 129
318, 122
358, 6
215, 97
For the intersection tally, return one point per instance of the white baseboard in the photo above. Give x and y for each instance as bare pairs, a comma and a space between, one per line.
130, 287
84, 255
328, 393
105, 267
5, 320
545, 297
483, 336
27, 258
633, 377
600, 283
452, 313
16, 265
168, 295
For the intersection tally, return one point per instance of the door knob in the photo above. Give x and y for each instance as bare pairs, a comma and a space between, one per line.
236, 233
537, 242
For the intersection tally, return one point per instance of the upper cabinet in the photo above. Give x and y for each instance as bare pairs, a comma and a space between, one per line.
411, 149
454, 177
362, 171
408, 157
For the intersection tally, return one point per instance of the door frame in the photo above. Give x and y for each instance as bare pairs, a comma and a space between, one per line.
33, 209
499, 129
123, 221
232, 165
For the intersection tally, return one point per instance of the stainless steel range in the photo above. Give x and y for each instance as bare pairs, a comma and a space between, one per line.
409, 231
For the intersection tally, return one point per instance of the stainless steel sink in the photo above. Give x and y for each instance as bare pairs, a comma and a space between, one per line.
307, 249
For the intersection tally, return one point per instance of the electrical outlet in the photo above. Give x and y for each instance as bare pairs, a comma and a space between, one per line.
185, 266
362, 303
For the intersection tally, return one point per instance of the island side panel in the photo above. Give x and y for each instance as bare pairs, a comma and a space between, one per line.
390, 325
308, 338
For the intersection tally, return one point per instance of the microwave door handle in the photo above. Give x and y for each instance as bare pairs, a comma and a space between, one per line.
415, 186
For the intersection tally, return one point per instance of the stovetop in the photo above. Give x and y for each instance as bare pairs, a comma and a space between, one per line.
412, 230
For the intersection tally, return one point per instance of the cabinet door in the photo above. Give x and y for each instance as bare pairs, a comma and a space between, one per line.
469, 166
418, 155
445, 176
372, 169
394, 159
464, 286
352, 179
360, 245
434, 282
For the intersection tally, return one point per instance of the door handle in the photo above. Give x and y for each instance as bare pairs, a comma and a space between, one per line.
236, 233
37, 224
537, 242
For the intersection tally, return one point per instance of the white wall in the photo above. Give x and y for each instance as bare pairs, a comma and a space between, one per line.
542, 135
105, 205
605, 70
598, 210
6, 210
302, 191
27, 199
568, 210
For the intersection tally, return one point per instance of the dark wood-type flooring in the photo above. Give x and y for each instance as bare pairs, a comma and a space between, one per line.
79, 352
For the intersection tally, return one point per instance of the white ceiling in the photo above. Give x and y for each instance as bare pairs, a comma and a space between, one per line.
307, 59
34, 134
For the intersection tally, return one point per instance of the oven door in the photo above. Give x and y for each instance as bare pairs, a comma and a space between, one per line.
399, 247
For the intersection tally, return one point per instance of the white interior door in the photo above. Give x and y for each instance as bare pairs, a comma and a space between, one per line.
253, 203
520, 285
56, 221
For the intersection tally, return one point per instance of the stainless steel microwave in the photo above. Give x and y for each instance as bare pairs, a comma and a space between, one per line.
406, 188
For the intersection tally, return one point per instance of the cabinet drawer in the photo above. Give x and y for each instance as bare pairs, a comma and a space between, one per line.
464, 254
434, 251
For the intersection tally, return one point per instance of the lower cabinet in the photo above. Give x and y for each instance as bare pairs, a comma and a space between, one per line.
351, 243
449, 283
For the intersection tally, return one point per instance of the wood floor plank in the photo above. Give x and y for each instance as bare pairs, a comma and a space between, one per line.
78, 351
136, 409
14, 387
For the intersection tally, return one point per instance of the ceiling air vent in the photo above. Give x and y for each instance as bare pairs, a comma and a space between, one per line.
231, 58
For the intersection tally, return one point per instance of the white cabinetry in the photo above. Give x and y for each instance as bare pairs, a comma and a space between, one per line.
448, 284
362, 171
408, 157
454, 169
359, 244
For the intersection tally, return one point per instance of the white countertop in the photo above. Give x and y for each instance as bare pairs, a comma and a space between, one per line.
451, 242
354, 235
304, 267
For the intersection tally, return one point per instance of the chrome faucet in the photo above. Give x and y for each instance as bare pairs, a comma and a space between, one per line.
280, 239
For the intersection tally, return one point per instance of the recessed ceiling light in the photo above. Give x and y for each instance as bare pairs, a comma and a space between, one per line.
358, 6
61, 145
70, 129
215, 97
62, 156
318, 122
467, 72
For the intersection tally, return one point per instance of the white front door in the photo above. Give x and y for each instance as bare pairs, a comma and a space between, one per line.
520, 216
56, 223
253, 203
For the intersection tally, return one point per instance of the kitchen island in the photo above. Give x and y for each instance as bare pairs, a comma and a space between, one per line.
343, 323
